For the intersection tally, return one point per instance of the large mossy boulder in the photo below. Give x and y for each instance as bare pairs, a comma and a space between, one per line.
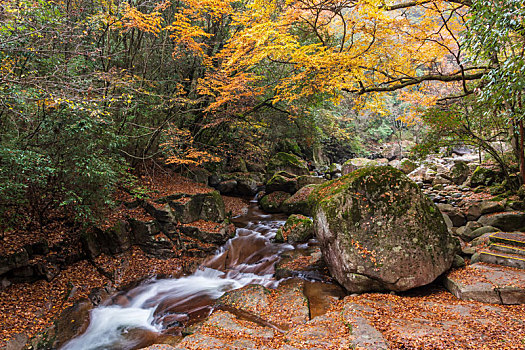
378, 231
286, 162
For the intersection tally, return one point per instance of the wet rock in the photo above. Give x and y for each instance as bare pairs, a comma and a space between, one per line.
298, 203
286, 162
72, 322
252, 298
298, 228
506, 221
378, 231
218, 235
241, 184
272, 203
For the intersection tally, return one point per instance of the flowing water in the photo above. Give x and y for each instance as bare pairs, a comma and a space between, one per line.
137, 317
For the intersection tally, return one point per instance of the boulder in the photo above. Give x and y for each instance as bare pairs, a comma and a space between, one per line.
454, 213
271, 203
488, 207
506, 221
113, 240
209, 232
12, 261
298, 228
407, 166
240, 184
286, 162
282, 181
298, 203
379, 232
306, 180
185, 208
459, 172
482, 177
357, 163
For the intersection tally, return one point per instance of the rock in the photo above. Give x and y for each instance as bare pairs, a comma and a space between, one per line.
459, 172
357, 163
113, 240
448, 222
378, 231
17, 342
441, 180
13, 261
407, 166
227, 186
282, 181
464, 233
473, 225
458, 262
306, 180
272, 202
454, 213
298, 228
364, 335
142, 231
488, 284
506, 221
474, 212
286, 162
186, 208
218, 235
252, 298
298, 203
240, 184
334, 168
488, 207
482, 177
72, 322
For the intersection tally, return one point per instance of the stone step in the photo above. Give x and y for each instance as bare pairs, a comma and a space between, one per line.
516, 239
488, 284
507, 249
504, 259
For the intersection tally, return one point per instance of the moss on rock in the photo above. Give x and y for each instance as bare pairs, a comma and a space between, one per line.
272, 202
286, 162
376, 222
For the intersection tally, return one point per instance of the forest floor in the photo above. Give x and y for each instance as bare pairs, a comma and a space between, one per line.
29, 308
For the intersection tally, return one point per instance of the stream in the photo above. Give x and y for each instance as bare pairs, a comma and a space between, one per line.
138, 317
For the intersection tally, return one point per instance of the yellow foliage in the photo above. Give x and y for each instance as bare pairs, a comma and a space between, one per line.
329, 46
